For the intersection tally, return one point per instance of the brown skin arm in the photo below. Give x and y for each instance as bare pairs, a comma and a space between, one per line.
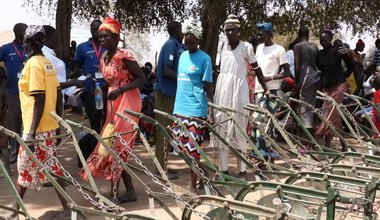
210, 96
287, 72
38, 110
170, 73
297, 62
59, 106
73, 82
259, 74
210, 91
282, 75
139, 80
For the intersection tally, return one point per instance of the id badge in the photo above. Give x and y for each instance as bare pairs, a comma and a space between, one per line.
18, 75
98, 75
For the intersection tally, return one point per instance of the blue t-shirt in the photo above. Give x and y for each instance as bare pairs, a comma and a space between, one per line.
88, 57
194, 70
13, 56
169, 55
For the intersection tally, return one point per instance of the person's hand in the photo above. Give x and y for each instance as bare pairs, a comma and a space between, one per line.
29, 141
114, 94
344, 50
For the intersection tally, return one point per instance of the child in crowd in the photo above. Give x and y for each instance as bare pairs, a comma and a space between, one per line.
5, 154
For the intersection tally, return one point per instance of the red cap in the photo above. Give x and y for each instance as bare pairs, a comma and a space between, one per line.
360, 43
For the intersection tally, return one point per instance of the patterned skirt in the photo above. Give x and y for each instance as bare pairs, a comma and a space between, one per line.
337, 93
195, 129
29, 175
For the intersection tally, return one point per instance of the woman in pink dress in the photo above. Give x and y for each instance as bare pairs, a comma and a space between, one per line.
124, 77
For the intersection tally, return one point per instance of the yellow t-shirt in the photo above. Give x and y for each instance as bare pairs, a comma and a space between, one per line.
38, 76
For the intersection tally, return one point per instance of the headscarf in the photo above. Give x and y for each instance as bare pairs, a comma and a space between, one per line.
194, 29
360, 43
111, 25
34, 32
266, 26
233, 19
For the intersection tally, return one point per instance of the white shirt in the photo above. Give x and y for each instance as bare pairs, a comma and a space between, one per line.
59, 65
290, 57
270, 58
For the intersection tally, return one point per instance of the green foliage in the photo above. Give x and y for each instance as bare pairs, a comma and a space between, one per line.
145, 14
90, 9
286, 15
82, 9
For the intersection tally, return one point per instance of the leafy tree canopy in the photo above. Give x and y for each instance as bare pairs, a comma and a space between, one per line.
286, 15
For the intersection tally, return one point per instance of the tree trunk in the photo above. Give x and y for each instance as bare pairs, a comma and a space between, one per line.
213, 13
63, 26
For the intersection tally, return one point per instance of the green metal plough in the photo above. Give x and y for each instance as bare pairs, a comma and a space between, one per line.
101, 205
338, 156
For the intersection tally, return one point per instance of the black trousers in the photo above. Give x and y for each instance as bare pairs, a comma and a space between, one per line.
96, 117
14, 120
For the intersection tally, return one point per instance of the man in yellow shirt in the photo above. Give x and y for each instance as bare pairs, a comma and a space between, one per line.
39, 95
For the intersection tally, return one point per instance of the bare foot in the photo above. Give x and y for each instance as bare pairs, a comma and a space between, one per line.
128, 197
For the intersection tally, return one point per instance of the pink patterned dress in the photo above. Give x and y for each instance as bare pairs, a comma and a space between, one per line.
116, 74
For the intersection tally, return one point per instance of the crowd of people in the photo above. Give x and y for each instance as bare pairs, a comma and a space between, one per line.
182, 83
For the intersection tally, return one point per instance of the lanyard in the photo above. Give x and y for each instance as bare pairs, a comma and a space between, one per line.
97, 52
18, 52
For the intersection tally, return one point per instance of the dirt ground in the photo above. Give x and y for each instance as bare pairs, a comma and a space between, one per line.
44, 204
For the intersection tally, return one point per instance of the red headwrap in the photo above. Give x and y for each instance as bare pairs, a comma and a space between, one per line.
111, 25
360, 43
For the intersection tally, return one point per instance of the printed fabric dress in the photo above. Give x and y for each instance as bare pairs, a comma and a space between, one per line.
116, 74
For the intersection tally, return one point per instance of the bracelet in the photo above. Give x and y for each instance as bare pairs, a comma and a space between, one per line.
272, 77
121, 89
255, 68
